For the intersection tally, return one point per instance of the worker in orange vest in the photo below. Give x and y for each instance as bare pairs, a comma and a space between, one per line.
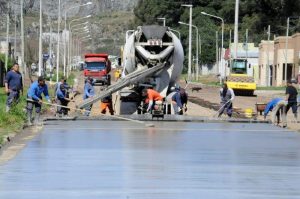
151, 96
106, 103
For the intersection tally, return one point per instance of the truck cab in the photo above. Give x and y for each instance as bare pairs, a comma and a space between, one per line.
98, 67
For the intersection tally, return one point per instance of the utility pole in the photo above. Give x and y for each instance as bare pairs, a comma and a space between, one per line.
286, 48
268, 57
23, 64
50, 53
236, 28
217, 52
40, 39
247, 34
58, 41
15, 41
190, 41
7, 37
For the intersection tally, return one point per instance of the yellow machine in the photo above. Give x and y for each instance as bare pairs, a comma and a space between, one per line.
238, 80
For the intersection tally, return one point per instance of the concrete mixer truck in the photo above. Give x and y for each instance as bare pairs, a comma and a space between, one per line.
152, 57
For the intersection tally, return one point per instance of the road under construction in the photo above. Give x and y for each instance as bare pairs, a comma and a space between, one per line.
99, 158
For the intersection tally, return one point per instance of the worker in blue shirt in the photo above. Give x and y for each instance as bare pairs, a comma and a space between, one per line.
89, 92
34, 99
277, 106
13, 86
63, 100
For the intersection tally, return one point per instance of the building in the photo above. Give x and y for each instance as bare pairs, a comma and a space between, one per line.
266, 58
273, 58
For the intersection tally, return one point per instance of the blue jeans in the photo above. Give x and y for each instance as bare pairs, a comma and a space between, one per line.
13, 97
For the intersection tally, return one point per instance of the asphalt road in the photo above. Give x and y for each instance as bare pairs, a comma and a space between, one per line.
124, 160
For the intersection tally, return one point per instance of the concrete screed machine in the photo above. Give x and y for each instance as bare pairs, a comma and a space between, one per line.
152, 58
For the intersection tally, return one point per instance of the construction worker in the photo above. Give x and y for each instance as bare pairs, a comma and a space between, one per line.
227, 96
63, 100
151, 96
13, 86
106, 103
34, 99
291, 98
179, 101
89, 92
277, 106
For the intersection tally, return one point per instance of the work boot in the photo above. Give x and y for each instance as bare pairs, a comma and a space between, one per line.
37, 121
29, 118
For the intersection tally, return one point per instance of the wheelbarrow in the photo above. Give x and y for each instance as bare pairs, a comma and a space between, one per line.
260, 107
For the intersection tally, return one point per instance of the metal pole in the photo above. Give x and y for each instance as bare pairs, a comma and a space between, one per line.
23, 65
217, 52
50, 49
65, 45
200, 50
268, 57
69, 56
222, 53
286, 48
40, 40
7, 37
247, 44
58, 40
190, 45
15, 42
197, 54
236, 28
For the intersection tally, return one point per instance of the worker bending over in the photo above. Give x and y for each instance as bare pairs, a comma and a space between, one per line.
106, 103
89, 92
152, 96
62, 100
34, 99
179, 101
227, 96
277, 106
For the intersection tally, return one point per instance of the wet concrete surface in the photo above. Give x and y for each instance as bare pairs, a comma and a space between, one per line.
174, 160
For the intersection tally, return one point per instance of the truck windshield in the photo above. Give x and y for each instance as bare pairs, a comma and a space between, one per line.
239, 66
95, 65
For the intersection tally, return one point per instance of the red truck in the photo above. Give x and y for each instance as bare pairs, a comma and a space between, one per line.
98, 66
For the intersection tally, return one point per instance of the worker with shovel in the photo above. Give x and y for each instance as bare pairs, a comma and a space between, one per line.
227, 96
62, 101
89, 92
34, 99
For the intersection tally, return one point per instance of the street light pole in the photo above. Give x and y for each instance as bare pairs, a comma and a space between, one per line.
222, 67
286, 48
7, 37
197, 48
40, 40
22, 40
236, 28
65, 32
15, 39
58, 40
190, 41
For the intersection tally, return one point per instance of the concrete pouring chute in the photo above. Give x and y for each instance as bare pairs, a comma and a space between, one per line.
152, 57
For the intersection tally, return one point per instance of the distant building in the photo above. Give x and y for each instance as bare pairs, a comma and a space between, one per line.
272, 70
